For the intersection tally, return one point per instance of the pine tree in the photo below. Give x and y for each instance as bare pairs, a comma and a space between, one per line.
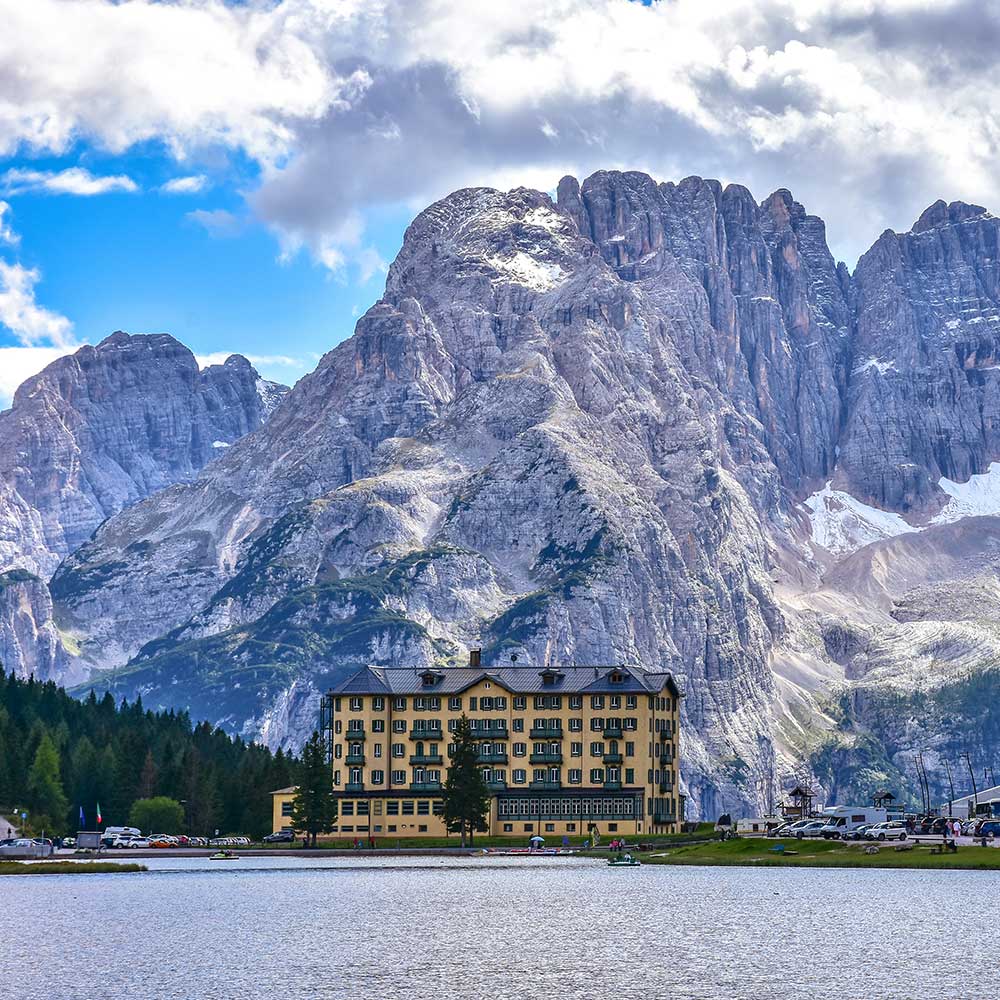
46, 796
314, 807
466, 794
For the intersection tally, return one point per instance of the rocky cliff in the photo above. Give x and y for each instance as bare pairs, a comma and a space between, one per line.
646, 422
91, 434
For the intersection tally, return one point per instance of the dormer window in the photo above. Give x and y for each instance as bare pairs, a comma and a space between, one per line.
430, 677
550, 676
617, 677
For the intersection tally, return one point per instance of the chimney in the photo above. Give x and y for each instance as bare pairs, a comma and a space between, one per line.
474, 657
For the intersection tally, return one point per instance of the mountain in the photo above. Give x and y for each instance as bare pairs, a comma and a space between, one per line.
647, 422
88, 436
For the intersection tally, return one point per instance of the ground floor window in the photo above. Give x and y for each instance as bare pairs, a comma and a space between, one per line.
392, 828
508, 828
392, 808
612, 827
422, 828
550, 828
347, 829
529, 827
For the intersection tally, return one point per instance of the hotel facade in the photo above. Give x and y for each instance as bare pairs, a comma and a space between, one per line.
565, 750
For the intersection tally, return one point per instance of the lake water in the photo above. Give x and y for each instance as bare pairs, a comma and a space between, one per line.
471, 928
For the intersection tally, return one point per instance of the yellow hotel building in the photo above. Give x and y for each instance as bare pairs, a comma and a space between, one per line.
565, 750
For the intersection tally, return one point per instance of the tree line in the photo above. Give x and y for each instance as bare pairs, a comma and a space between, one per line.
59, 754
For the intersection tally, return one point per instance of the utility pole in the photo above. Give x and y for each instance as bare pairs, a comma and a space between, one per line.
951, 785
975, 791
922, 780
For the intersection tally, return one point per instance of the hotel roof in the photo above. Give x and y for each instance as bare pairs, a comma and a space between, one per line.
514, 679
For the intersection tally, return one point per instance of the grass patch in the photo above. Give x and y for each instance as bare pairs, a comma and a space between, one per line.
755, 852
66, 867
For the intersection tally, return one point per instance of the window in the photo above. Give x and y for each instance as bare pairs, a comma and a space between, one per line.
392, 809
377, 750
576, 725
452, 725
631, 701
538, 748
632, 723
614, 773
612, 827
338, 751
528, 827
575, 776
596, 724
519, 725
550, 828
629, 776
435, 703
362, 808
438, 808
346, 808
520, 703
338, 726
336, 704
378, 704
418, 775
629, 749
538, 774
336, 777
356, 704
355, 776
347, 829
455, 704
575, 702
286, 808
399, 704
500, 703
486, 704
378, 777
392, 828
596, 749
508, 828
399, 749
596, 775
520, 776
472, 704
419, 704
500, 775
407, 807
616, 701
423, 808
554, 774
597, 701
399, 777
378, 725
576, 749
355, 726
422, 828
399, 725
520, 749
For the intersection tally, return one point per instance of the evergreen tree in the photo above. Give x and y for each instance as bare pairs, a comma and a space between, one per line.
159, 814
47, 799
466, 794
314, 807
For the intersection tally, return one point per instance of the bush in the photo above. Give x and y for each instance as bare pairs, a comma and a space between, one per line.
159, 814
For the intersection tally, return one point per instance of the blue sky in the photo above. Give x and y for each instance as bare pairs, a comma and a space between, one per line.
307, 133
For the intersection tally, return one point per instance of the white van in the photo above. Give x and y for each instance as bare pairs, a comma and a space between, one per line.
112, 834
844, 819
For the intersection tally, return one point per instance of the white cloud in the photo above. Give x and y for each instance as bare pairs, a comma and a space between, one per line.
185, 185
270, 360
217, 222
868, 111
20, 363
74, 180
31, 323
7, 234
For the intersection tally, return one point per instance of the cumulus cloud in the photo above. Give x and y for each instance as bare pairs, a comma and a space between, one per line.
868, 112
19, 363
217, 222
7, 234
270, 360
74, 180
31, 323
185, 185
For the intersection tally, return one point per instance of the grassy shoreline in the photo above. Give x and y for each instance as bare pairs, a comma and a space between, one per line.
823, 854
67, 867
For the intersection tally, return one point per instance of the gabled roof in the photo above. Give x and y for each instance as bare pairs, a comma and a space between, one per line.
525, 679
285, 791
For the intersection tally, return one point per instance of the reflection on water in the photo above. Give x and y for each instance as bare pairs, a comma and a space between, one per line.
452, 929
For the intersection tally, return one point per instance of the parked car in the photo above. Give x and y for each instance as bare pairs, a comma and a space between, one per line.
814, 828
69, 842
281, 837
789, 829
889, 830
989, 828
858, 833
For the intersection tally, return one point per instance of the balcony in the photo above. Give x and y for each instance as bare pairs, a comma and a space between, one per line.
353, 735
496, 786
666, 786
664, 816
546, 733
354, 786
664, 736
433, 735
666, 757
612, 732
493, 733
425, 786
612, 758
546, 758
426, 758
545, 786
612, 786
492, 758
354, 758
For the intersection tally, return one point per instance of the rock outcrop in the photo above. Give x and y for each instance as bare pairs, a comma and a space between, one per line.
90, 435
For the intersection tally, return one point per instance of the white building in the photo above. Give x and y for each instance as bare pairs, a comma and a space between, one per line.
963, 808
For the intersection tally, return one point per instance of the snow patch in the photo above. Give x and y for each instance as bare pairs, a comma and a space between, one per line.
979, 497
525, 270
842, 524
874, 363
220, 444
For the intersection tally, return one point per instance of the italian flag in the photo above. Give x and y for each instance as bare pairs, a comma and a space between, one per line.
99, 820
